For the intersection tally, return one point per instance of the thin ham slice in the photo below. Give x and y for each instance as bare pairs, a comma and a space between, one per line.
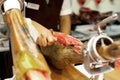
68, 40
117, 64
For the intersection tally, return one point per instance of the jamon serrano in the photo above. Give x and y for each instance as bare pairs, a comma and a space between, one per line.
65, 51
27, 58
33, 66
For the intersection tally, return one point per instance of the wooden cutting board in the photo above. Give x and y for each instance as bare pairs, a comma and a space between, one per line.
69, 73
113, 75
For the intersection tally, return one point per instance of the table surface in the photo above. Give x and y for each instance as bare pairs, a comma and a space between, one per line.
85, 32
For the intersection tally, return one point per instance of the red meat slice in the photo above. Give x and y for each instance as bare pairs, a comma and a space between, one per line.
68, 40
117, 64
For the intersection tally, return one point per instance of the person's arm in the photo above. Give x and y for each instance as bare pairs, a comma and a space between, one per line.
65, 24
65, 20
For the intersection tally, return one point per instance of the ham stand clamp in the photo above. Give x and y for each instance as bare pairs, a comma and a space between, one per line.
94, 63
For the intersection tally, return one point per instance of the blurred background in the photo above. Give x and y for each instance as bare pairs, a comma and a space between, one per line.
87, 13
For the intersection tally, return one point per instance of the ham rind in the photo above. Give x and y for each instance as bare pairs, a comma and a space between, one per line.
26, 55
35, 74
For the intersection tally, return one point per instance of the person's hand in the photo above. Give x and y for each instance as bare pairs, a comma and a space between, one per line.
45, 37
